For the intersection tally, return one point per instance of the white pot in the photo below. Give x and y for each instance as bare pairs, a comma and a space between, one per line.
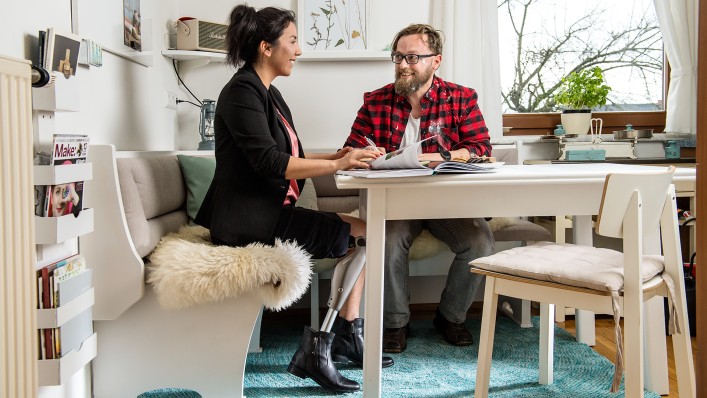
576, 121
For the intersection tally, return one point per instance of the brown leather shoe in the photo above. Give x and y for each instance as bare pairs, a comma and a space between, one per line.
454, 333
395, 339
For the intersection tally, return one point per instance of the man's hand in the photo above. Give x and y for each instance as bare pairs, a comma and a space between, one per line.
460, 155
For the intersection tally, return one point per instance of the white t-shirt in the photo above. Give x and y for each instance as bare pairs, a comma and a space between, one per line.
412, 132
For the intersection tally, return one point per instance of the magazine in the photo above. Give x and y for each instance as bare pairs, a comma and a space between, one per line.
405, 162
69, 149
403, 158
63, 199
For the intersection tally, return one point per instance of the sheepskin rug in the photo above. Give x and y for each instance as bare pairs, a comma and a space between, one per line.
186, 269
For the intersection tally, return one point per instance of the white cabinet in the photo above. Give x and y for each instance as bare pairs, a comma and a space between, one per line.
56, 238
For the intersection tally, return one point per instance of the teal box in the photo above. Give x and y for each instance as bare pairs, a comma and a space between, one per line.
672, 150
585, 154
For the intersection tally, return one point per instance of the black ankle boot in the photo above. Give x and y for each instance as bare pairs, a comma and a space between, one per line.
313, 359
348, 342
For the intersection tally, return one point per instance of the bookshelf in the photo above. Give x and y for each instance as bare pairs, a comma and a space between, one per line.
56, 238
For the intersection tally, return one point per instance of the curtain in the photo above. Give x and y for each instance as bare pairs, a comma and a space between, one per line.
678, 23
470, 55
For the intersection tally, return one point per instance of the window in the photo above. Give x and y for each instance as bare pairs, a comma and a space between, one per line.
543, 40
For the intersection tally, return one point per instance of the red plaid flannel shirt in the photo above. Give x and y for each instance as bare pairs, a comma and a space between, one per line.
448, 109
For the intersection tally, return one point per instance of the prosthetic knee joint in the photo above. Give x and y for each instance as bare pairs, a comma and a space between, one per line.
343, 279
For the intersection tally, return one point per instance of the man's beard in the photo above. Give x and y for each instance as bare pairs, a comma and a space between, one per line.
409, 86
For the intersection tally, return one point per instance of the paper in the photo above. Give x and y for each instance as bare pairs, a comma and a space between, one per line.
403, 158
405, 163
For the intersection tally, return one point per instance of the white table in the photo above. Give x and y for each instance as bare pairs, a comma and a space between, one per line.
524, 190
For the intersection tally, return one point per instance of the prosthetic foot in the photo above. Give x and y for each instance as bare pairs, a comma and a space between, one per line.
343, 279
348, 339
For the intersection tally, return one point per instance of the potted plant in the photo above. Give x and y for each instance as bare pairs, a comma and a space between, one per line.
579, 92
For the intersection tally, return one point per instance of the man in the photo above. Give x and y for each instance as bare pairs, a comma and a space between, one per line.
417, 106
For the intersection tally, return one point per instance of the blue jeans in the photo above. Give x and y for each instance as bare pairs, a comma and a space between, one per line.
468, 238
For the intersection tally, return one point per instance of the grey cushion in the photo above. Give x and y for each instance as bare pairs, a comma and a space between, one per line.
154, 197
522, 230
331, 198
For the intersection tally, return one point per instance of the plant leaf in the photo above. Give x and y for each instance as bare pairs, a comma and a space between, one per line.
355, 34
338, 43
326, 12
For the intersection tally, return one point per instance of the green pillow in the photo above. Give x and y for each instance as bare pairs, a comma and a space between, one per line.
198, 172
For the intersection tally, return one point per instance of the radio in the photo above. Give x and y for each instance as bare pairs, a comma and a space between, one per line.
195, 34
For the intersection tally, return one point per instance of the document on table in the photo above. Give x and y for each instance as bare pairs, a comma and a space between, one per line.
405, 163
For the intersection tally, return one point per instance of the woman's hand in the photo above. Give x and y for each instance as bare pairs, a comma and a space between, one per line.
356, 158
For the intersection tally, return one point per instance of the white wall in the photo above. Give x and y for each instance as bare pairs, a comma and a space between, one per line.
323, 96
123, 103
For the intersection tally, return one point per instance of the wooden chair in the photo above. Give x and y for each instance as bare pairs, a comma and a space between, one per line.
633, 207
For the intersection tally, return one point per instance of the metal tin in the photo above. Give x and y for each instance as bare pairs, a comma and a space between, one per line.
633, 134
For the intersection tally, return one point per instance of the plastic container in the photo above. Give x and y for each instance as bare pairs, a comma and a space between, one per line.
672, 150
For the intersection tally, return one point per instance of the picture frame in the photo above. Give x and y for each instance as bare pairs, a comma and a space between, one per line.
132, 26
103, 22
335, 29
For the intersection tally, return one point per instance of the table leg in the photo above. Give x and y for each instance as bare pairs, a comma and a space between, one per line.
373, 327
584, 320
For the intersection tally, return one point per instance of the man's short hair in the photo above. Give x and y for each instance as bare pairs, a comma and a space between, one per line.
434, 37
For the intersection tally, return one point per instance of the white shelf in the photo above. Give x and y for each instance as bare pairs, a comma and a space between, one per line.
62, 174
193, 59
63, 95
54, 372
345, 56
205, 57
184, 55
51, 230
50, 318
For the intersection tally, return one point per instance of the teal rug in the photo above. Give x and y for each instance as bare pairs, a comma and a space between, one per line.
432, 368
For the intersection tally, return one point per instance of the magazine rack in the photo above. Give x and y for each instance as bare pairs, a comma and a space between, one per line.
56, 237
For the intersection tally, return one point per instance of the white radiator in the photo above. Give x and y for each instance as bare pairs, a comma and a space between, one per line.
18, 332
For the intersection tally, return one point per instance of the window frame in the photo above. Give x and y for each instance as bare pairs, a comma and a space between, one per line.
545, 123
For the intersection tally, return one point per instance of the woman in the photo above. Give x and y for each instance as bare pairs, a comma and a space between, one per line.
260, 171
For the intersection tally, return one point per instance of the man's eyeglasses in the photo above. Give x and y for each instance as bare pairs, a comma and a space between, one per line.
409, 58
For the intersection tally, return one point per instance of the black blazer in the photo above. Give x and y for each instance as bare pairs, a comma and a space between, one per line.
253, 149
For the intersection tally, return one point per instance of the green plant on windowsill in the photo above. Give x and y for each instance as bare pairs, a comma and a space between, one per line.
584, 89
580, 92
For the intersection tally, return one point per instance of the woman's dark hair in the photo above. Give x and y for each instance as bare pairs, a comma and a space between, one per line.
247, 28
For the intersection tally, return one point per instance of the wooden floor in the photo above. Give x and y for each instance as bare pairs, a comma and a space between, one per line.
605, 340
606, 346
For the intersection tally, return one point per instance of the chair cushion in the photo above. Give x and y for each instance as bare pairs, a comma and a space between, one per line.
521, 230
574, 265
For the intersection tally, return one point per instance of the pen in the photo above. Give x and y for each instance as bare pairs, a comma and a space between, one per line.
370, 142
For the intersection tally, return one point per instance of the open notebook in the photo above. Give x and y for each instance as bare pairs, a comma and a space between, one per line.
405, 163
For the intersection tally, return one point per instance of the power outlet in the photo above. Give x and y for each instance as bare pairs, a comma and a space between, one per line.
171, 100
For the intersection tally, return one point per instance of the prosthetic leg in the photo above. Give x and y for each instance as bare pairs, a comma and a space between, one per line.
314, 358
343, 279
347, 345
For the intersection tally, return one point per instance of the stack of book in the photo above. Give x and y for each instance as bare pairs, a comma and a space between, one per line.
58, 52
57, 285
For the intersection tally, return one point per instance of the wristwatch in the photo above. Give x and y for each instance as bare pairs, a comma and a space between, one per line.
444, 153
